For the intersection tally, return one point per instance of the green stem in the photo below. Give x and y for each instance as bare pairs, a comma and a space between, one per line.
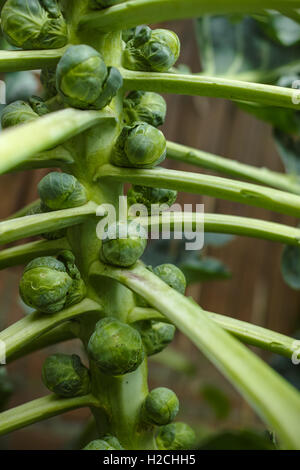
223, 188
41, 409
136, 12
64, 332
34, 325
220, 223
217, 87
233, 168
22, 254
55, 158
30, 225
17, 143
14, 61
276, 401
246, 332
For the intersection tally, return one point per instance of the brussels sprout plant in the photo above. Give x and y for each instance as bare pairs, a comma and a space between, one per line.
102, 70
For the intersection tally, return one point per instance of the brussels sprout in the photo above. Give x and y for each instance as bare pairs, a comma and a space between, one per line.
106, 443
139, 146
116, 347
155, 335
48, 285
16, 113
160, 406
148, 196
84, 81
66, 375
20, 112
175, 436
34, 24
145, 106
128, 34
148, 50
122, 247
61, 191
171, 275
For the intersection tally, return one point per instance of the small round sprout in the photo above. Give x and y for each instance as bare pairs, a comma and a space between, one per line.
84, 81
61, 191
48, 285
160, 406
123, 246
171, 275
116, 347
145, 106
34, 24
139, 146
20, 112
106, 443
155, 335
16, 113
176, 436
66, 376
148, 50
150, 196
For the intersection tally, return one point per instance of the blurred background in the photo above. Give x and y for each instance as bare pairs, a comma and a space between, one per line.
240, 276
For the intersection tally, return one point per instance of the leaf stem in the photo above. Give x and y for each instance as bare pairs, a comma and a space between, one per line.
222, 223
22, 254
14, 61
41, 409
185, 154
30, 225
217, 87
246, 332
34, 325
135, 12
18, 144
215, 186
275, 400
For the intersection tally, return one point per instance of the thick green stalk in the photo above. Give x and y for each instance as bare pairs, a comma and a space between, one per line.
41, 409
276, 401
246, 332
22, 254
223, 188
14, 61
34, 325
221, 223
61, 333
217, 87
17, 143
136, 12
185, 154
30, 225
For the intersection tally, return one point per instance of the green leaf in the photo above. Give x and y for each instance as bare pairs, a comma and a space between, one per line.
237, 46
283, 30
238, 440
204, 269
290, 266
216, 399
